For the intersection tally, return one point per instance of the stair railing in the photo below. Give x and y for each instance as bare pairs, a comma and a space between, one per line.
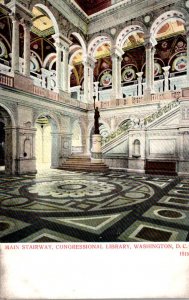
139, 123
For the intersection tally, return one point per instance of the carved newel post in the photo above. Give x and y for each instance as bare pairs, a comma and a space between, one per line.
96, 156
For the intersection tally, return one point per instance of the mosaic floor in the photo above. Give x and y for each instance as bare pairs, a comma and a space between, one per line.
62, 206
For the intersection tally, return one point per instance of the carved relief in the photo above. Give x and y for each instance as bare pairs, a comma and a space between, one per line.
28, 124
185, 113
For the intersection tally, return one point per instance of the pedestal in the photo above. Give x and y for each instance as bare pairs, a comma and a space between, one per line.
96, 149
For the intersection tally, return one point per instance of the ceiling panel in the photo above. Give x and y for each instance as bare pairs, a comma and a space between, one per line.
92, 6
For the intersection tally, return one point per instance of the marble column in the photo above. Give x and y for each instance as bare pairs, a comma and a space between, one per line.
91, 80
66, 75
27, 27
62, 66
148, 48
15, 45
166, 78
86, 77
58, 66
139, 74
89, 64
187, 38
116, 55
153, 50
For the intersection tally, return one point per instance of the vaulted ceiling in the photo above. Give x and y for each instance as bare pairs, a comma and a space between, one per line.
92, 6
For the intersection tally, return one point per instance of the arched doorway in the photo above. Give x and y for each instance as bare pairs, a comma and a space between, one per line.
77, 139
7, 144
2, 146
46, 143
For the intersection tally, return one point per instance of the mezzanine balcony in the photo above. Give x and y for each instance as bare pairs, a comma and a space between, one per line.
25, 84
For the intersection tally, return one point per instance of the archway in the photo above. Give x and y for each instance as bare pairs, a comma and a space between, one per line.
43, 50
170, 61
46, 143
7, 144
2, 147
76, 139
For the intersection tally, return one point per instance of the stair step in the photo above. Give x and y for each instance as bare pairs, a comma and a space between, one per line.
88, 166
83, 163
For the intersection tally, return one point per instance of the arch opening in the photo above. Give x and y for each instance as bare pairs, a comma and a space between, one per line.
7, 149
77, 139
46, 143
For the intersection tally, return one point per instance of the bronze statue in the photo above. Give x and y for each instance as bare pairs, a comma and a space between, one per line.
96, 118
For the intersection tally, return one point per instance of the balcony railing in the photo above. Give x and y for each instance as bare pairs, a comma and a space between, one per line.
23, 83
6, 80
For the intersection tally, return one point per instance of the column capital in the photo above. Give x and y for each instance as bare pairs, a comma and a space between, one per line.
149, 41
14, 17
116, 51
148, 45
19, 11
61, 42
89, 61
26, 24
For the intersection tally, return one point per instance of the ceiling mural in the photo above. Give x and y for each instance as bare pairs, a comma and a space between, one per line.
136, 39
42, 24
78, 58
102, 51
170, 49
173, 27
93, 6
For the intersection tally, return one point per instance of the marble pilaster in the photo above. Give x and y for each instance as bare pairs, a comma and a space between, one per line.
62, 65
89, 64
116, 55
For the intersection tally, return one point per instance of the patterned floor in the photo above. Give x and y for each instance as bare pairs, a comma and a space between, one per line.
61, 206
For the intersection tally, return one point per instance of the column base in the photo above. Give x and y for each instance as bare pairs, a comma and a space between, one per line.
96, 155
96, 158
62, 93
26, 166
136, 165
148, 91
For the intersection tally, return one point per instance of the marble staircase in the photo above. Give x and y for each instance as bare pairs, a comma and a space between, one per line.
80, 162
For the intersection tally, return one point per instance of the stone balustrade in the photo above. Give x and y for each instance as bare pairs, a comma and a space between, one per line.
137, 123
6, 80
23, 83
137, 100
